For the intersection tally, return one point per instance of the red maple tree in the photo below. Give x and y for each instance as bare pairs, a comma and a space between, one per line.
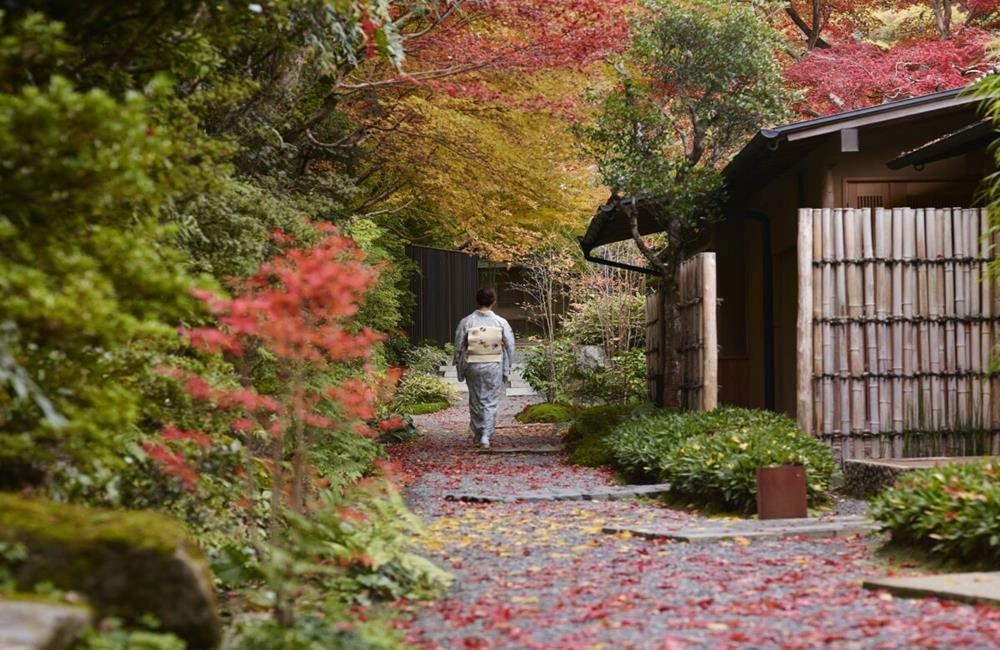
458, 50
856, 75
298, 308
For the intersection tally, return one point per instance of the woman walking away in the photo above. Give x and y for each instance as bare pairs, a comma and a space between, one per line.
484, 353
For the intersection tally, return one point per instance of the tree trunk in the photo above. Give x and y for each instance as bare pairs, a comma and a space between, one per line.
669, 269
942, 16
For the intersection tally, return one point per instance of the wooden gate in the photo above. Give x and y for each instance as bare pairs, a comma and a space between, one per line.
897, 326
697, 344
654, 334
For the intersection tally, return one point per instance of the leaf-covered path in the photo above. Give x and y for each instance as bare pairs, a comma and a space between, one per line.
542, 575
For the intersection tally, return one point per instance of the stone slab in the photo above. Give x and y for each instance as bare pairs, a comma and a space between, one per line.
925, 463
978, 587
594, 494
28, 625
864, 478
755, 529
522, 450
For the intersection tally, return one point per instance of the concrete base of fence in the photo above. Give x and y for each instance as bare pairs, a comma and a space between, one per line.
866, 478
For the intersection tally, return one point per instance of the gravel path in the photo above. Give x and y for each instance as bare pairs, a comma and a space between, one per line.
542, 575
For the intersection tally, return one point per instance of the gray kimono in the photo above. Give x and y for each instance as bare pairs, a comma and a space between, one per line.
486, 380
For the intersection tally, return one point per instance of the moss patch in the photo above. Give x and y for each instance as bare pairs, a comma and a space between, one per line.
546, 413
127, 564
426, 407
586, 436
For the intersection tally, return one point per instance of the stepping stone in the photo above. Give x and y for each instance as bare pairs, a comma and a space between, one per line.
966, 587
595, 494
522, 450
753, 529
520, 392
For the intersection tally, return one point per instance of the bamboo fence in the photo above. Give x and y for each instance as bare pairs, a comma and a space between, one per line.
898, 325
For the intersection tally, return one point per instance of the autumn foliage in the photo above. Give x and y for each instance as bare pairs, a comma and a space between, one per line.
298, 308
862, 53
856, 75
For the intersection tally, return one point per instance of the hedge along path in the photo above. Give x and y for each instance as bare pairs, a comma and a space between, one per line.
543, 575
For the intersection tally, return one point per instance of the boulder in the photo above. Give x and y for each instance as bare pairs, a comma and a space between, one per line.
37, 625
591, 356
127, 564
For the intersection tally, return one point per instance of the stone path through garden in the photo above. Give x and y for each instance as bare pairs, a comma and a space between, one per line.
546, 575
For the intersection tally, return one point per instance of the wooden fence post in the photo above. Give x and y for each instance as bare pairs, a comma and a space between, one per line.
710, 332
803, 329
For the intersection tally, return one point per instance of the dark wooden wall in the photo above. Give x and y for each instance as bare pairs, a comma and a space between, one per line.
444, 288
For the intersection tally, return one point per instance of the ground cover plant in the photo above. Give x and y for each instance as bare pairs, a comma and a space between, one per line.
546, 412
423, 408
953, 511
421, 388
713, 457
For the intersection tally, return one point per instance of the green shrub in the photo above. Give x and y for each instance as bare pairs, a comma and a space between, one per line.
587, 435
343, 459
358, 547
616, 316
427, 358
952, 510
556, 372
545, 412
713, 457
114, 635
313, 631
620, 382
549, 369
422, 388
396, 428
427, 407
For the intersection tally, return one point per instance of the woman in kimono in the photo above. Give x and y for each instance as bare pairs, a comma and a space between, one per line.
484, 353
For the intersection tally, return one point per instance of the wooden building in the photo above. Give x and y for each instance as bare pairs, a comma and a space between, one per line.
444, 285
849, 276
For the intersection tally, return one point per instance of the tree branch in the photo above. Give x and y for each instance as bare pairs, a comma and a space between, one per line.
806, 29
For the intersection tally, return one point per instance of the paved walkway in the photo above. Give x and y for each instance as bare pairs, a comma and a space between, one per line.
544, 575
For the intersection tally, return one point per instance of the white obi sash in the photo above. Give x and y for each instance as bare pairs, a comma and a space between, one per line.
484, 344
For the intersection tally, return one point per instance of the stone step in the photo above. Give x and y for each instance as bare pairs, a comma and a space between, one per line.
754, 529
609, 493
520, 392
552, 449
30, 624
